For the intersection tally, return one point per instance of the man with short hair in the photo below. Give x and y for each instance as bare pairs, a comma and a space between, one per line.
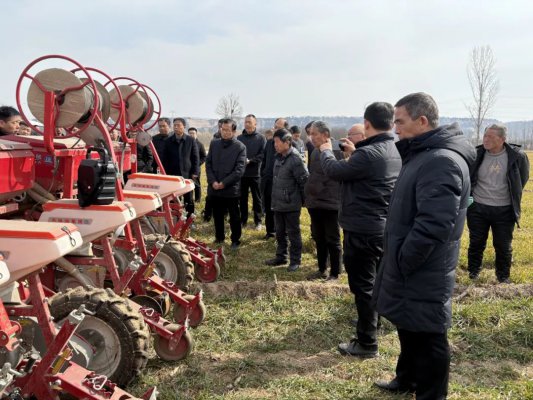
367, 179
9, 120
498, 177
267, 178
202, 155
159, 139
323, 202
290, 175
181, 158
24, 129
426, 217
225, 166
208, 208
297, 141
308, 144
251, 180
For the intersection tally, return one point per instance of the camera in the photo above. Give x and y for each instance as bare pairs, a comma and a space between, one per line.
341, 146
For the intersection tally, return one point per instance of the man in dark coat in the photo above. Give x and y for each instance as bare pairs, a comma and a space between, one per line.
323, 202
181, 158
290, 175
267, 179
498, 178
208, 208
422, 240
193, 132
159, 139
251, 180
367, 179
225, 166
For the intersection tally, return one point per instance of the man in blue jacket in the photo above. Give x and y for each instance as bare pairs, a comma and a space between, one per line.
422, 240
225, 166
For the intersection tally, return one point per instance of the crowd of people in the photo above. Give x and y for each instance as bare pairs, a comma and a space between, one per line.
401, 202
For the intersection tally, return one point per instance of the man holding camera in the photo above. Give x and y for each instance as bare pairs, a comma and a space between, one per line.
367, 180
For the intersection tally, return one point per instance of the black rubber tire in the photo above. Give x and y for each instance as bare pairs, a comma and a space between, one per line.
181, 258
118, 315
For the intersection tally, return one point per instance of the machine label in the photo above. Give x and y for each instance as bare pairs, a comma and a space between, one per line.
75, 221
144, 186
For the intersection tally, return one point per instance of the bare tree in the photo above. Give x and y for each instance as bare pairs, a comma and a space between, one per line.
483, 83
229, 106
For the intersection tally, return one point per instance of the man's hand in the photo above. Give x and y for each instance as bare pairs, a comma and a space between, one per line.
247, 161
326, 145
348, 146
217, 185
194, 176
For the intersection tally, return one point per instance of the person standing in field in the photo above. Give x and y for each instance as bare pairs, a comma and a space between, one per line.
367, 179
498, 177
422, 241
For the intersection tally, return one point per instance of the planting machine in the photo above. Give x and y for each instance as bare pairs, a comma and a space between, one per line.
42, 358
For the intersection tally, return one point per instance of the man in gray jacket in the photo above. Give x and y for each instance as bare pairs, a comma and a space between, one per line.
290, 176
367, 180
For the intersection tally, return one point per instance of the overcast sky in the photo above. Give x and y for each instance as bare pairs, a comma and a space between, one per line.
283, 57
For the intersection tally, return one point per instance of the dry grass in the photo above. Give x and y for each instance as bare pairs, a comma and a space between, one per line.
270, 335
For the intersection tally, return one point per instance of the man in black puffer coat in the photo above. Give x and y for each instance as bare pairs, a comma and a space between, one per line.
224, 167
422, 239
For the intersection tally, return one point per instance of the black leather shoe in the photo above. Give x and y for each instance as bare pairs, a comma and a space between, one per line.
274, 262
352, 348
268, 236
395, 386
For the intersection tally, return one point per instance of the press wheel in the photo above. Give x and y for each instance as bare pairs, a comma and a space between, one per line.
182, 350
197, 315
207, 274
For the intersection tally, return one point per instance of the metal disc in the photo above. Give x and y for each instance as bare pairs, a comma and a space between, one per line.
75, 104
148, 302
143, 138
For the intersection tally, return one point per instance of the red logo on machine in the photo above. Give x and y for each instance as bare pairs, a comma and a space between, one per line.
145, 186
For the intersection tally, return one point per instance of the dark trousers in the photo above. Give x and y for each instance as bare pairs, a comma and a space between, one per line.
208, 209
288, 227
251, 184
270, 224
221, 205
326, 233
362, 256
197, 189
188, 201
424, 363
481, 218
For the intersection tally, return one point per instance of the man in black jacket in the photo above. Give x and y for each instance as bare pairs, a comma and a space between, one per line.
498, 178
288, 185
159, 139
180, 157
193, 132
427, 213
225, 166
267, 178
251, 180
323, 202
367, 180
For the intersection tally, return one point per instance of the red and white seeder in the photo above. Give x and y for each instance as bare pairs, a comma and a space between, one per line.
91, 277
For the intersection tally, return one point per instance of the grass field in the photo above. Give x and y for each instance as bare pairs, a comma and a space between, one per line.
272, 335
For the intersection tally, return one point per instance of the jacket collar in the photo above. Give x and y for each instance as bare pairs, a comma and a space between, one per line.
380, 137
